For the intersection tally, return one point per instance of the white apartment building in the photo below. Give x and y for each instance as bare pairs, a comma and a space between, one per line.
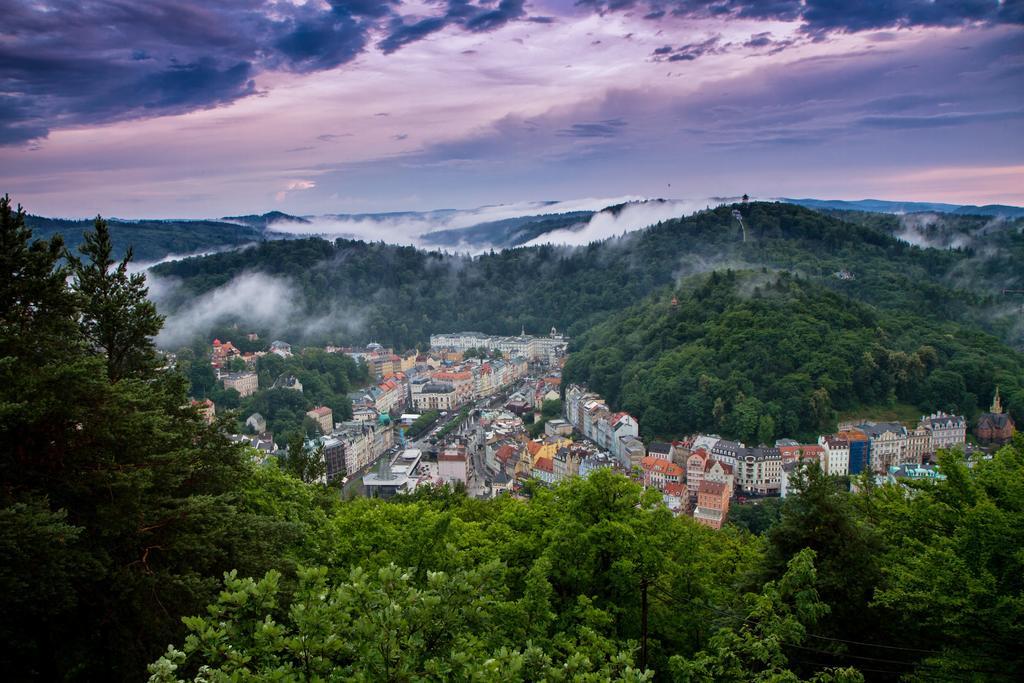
836, 458
948, 431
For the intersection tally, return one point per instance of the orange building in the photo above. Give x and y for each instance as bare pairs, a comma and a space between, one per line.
712, 504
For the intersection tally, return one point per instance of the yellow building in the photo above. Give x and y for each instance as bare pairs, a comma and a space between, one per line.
546, 448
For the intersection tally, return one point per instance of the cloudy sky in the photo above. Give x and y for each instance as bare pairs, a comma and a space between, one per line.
191, 108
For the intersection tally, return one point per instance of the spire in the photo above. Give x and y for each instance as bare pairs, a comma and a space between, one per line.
997, 405
522, 333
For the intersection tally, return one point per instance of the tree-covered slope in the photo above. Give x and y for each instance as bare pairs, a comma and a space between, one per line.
400, 295
130, 528
509, 232
761, 355
883, 206
152, 240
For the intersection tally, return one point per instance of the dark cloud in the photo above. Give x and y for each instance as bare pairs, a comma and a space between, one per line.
401, 34
323, 41
609, 128
849, 104
488, 20
476, 17
332, 137
690, 52
68, 63
759, 40
825, 16
400, 136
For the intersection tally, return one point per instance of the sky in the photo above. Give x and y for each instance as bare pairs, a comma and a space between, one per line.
191, 108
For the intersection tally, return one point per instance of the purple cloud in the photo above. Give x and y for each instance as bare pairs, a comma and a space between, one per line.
692, 51
70, 63
608, 128
823, 16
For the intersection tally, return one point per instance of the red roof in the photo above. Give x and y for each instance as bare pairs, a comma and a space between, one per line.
216, 342
665, 467
715, 488
544, 465
675, 489
505, 453
321, 411
453, 375
853, 435
725, 467
452, 456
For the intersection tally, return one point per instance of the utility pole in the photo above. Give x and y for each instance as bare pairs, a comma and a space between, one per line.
643, 623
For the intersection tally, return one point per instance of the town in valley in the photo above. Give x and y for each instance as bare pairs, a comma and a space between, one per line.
489, 415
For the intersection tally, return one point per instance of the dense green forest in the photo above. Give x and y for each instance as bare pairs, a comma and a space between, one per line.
326, 378
761, 355
152, 240
137, 539
400, 295
994, 247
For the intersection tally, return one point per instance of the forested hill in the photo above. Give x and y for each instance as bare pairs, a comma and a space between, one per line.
140, 542
761, 356
883, 206
509, 232
152, 240
357, 291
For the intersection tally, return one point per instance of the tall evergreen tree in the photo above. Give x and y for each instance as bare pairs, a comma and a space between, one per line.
117, 511
117, 318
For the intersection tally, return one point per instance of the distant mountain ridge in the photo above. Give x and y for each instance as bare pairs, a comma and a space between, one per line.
510, 232
356, 290
153, 240
265, 220
160, 239
885, 206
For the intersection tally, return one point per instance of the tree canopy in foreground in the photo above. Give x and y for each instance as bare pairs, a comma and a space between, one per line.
135, 538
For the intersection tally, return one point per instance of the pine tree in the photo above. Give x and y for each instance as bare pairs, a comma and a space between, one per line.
117, 512
117, 319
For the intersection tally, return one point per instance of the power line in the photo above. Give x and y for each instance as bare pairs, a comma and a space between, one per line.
887, 647
913, 665
824, 665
